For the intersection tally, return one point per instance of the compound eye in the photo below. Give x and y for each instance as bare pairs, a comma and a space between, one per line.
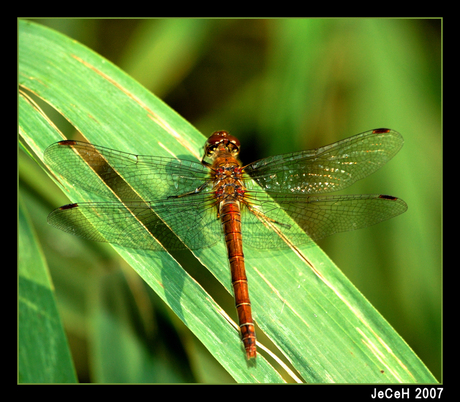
222, 137
233, 145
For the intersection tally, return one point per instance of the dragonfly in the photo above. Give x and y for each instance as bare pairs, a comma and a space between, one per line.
275, 202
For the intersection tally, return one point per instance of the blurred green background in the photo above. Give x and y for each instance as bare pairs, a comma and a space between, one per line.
279, 85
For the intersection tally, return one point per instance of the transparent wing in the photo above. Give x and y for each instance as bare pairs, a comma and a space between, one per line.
289, 182
152, 177
329, 168
317, 216
136, 225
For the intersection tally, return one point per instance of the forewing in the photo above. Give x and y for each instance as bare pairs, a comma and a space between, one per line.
151, 177
329, 168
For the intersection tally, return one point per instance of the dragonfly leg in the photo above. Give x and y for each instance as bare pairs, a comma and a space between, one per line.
196, 191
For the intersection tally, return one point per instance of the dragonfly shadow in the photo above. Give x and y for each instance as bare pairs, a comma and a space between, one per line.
172, 274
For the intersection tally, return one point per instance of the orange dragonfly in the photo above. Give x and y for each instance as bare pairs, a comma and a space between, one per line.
180, 204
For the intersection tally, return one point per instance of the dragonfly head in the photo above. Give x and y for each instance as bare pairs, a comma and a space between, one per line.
223, 141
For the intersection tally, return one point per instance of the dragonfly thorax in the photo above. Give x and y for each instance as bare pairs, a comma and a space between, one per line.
228, 172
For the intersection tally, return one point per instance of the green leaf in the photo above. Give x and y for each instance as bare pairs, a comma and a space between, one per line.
316, 318
44, 355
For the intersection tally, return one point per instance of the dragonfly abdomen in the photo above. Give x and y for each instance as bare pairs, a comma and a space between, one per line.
231, 224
